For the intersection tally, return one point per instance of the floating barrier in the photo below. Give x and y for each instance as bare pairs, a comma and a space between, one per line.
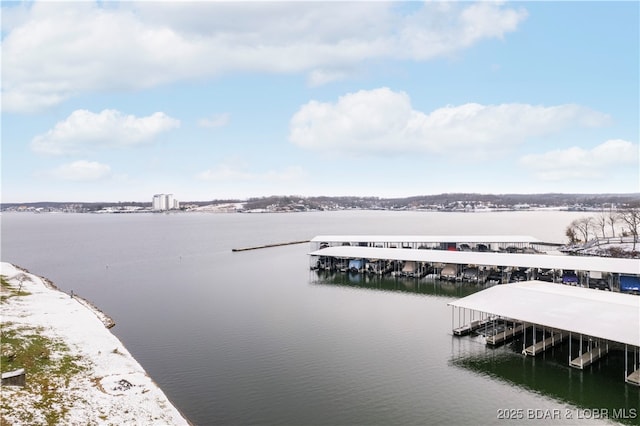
270, 245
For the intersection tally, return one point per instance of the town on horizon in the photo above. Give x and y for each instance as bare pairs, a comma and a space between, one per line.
468, 202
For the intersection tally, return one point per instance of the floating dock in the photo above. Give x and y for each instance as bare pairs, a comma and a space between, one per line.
533, 298
489, 243
471, 327
505, 335
486, 262
588, 358
585, 314
634, 378
545, 344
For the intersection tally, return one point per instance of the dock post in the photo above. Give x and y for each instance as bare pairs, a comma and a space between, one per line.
625, 362
580, 348
453, 308
493, 327
534, 334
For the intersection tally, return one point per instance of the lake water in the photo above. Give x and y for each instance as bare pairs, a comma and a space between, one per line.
255, 337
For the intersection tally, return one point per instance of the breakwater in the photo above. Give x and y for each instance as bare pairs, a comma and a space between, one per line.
270, 245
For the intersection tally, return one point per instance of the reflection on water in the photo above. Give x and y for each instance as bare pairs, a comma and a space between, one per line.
429, 286
600, 386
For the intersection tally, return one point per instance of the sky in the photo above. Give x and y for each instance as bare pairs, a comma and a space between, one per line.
118, 101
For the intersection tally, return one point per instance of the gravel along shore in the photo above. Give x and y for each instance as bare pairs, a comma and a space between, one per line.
77, 371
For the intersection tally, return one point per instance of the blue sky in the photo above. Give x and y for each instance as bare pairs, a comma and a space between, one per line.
117, 101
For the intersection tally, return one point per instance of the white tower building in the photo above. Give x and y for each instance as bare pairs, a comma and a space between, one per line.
163, 202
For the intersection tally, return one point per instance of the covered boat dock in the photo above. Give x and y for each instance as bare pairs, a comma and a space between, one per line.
594, 322
544, 267
547, 261
496, 243
536, 307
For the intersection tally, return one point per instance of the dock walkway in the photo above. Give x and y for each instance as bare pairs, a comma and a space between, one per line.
543, 345
471, 327
589, 358
634, 378
502, 336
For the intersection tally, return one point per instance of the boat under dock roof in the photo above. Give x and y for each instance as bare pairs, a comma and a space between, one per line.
544, 261
427, 238
605, 315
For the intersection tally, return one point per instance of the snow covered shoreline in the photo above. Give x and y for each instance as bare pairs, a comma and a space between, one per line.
605, 247
106, 384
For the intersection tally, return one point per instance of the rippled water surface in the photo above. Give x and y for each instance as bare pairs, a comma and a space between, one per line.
256, 337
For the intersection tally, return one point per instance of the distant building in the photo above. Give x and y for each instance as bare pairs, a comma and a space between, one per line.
164, 202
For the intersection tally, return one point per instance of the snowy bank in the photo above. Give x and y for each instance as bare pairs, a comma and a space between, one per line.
605, 247
80, 372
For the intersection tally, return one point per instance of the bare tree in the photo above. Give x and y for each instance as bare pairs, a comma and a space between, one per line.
600, 222
583, 226
631, 217
579, 228
612, 219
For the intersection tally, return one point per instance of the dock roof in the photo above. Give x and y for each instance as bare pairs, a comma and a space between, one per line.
596, 313
546, 261
428, 238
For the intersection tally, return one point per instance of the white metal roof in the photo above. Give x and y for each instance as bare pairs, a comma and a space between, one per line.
547, 261
428, 238
605, 315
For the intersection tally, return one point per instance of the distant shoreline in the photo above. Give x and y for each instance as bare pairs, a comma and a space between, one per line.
230, 210
297, 203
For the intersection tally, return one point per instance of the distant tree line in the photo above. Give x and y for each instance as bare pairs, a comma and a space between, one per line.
589, 201
506, 200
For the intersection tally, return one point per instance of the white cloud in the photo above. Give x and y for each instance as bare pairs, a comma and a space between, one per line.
288, 174
320, 77
84, 131
82, 170
440, 28
238, 172
14, 14
382, 121
601, 161
216, 120
224, 172
53, 51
